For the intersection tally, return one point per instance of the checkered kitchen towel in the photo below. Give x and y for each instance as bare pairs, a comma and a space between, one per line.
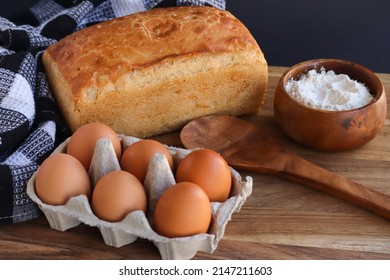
30, 125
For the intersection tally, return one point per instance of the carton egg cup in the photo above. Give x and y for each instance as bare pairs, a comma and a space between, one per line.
136, 224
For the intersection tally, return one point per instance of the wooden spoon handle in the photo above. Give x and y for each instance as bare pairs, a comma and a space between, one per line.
307, 173
297, 169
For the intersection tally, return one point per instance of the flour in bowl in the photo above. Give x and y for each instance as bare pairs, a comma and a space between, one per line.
326, 90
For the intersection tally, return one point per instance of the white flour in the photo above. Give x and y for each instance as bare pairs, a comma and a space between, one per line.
329, 91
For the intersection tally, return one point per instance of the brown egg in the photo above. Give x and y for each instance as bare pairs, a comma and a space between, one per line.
207, 169
61, 177
137, 156
82, 143
116, 194
183, 210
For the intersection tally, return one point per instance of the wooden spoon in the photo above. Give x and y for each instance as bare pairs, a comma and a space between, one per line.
245, 147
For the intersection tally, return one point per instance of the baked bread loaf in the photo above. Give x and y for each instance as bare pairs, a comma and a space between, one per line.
152, 72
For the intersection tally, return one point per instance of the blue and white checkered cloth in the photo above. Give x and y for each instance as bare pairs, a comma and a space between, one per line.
30, 123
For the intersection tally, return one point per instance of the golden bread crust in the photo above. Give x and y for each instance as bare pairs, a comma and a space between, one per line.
159, 65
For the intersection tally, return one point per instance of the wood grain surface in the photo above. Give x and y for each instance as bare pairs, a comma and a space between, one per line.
281, 219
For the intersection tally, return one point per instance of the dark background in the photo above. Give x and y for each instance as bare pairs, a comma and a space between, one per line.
292, 31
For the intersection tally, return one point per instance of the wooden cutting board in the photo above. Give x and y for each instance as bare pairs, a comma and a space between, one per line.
280, 220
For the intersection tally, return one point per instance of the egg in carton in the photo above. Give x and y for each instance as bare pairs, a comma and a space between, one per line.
136, 224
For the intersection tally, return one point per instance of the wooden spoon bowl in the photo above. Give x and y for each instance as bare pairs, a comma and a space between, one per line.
330, 130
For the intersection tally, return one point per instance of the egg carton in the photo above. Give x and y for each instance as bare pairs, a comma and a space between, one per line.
136, 224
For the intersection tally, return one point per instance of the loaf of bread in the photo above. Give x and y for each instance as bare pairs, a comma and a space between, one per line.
154, 71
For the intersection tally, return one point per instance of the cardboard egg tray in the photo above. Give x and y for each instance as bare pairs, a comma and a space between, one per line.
136, 224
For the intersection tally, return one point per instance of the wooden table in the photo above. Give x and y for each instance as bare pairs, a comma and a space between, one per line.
281, 220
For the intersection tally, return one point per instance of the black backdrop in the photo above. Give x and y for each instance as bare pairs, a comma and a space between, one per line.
292, 31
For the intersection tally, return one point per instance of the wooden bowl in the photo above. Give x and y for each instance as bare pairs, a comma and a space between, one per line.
331, 131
